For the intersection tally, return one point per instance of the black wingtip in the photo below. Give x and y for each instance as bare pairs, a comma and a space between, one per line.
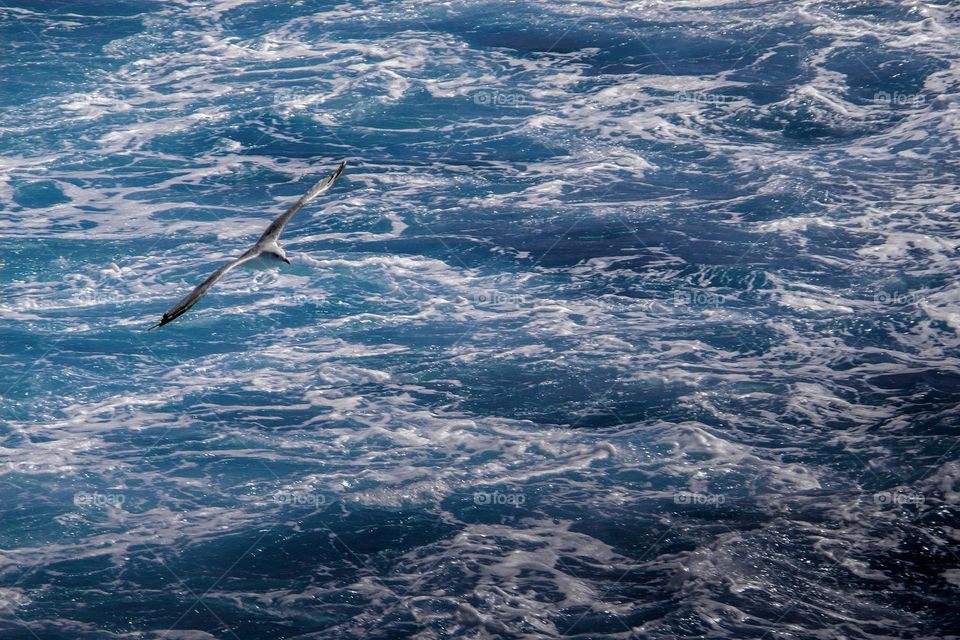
157, 326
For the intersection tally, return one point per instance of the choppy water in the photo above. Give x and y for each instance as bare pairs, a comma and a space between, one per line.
628, 319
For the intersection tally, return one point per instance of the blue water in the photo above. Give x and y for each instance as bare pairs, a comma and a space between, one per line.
626, 320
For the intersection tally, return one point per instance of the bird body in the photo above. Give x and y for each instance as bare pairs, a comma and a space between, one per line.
266, 253
264, 262
271, 255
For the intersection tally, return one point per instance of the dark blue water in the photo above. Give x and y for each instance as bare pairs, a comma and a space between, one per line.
626, 320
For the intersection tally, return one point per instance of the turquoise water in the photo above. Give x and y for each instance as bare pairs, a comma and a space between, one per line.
626, 320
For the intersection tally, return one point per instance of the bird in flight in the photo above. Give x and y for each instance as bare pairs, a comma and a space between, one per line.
265, 249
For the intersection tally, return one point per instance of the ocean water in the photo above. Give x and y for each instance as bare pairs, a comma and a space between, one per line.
626, 320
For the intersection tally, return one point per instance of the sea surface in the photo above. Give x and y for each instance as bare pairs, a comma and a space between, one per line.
626, 320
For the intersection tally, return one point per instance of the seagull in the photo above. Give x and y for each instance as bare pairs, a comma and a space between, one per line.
266, 249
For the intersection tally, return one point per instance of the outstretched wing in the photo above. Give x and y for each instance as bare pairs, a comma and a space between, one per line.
273, 231
194, 296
